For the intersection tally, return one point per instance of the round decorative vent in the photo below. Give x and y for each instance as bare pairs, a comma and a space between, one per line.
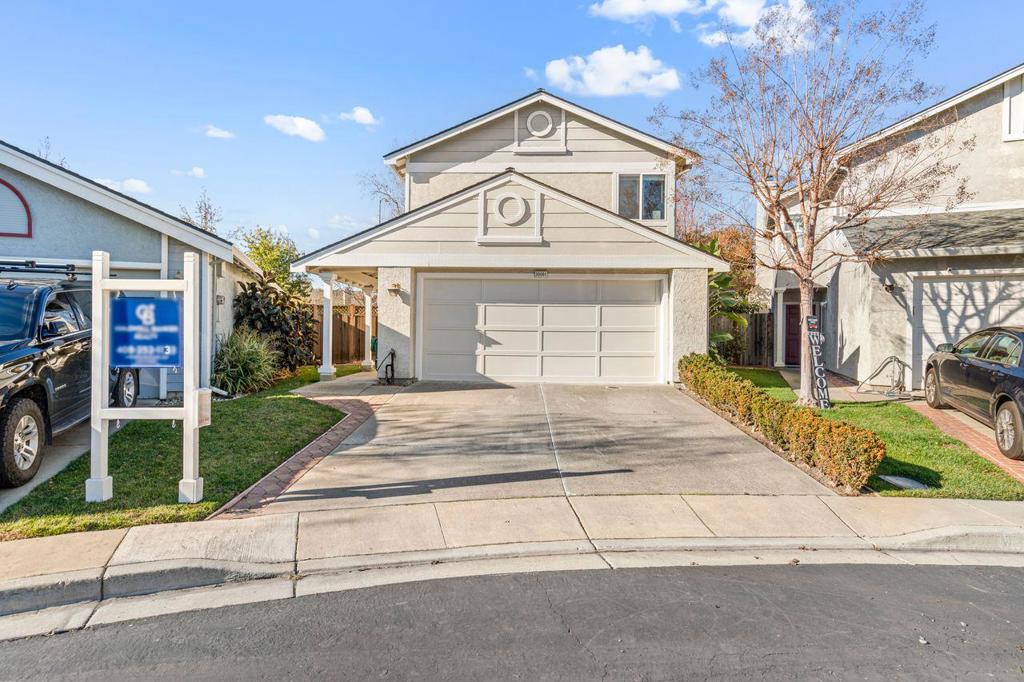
514, 215
539, 123
15, 217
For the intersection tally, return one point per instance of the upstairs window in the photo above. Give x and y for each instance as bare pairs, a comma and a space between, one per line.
642, 197
1013, 109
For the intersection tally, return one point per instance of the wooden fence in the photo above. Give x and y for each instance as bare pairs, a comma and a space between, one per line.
348, 340
754, 343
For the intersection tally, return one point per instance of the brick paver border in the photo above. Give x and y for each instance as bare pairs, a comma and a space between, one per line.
982, 445
356, 409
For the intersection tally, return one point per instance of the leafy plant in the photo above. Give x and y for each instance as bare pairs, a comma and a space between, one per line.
724, 302
285, 319
245, 363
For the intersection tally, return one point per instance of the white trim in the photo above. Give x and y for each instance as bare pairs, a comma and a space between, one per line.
651, 223
514, 107
538, 113
206, 321
492, 167
318, 259
663, 372
779, 352
497, 260
123, 206
1008, 134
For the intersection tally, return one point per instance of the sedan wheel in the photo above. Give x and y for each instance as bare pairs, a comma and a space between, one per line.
931, 390
1009, 435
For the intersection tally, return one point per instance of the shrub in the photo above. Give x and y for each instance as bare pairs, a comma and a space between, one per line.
287, 320
245, 363
848, 455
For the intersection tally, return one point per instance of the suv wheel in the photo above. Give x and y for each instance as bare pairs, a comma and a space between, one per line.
22, 433
1009, 433
931, 390
126, 388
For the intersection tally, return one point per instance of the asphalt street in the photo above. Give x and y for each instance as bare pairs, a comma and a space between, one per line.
737, 623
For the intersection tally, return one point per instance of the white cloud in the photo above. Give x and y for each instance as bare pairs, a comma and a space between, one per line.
360, 115
530, 73
613, 71
194, 172
214, 131
643, 11
313, 233
737, 18
129, 185
297, 126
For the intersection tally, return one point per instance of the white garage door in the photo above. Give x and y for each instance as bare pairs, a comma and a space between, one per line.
947, 310
540, 329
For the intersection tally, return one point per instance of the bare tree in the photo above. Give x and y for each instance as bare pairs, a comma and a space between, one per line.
45, 151
387, 190
790, 120
204, 215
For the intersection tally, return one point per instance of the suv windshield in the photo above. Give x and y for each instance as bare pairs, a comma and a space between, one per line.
15, 313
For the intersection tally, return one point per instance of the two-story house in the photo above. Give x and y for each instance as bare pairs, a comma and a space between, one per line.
536, 245
943, 273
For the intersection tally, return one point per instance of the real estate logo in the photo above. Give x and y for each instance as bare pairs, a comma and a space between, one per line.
816, 338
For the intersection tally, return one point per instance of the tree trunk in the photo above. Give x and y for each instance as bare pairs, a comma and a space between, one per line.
806, 396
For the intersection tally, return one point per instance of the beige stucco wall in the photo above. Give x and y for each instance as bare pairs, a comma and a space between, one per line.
689, 313
396, 318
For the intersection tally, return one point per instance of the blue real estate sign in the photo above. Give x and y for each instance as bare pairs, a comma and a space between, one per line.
145, 332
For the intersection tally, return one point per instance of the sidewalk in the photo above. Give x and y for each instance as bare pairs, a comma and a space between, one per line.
88, 578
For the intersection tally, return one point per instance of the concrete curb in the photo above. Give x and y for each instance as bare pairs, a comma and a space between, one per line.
54, 590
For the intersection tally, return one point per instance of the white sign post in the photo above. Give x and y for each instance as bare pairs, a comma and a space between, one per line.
99, 486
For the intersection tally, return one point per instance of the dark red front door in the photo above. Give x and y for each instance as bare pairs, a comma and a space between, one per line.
792, 334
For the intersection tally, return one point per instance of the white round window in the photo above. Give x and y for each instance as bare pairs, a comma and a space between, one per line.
539, 123
514, 215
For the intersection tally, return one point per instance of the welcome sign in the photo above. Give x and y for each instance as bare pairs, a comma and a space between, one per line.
816, 339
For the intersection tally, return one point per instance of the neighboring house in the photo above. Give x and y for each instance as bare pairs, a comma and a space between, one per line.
944, 273
536, 245
51, 215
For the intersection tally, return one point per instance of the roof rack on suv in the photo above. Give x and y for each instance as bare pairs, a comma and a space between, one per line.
31, 266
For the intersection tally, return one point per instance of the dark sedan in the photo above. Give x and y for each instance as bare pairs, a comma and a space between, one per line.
982, 376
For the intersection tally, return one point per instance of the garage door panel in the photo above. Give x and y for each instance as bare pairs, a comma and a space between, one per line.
569, 316
569, 291
510, 366
511, 290
511, 315
569, 366
548, 329
512, 340
452, 315
629, 291
947, 310
440, 366
579, 341
453, 340
612, 341
627, 367
629, 316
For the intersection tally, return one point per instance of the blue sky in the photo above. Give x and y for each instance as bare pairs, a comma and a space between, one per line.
127, 91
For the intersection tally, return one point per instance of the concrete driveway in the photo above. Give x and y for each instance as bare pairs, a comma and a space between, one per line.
440, 442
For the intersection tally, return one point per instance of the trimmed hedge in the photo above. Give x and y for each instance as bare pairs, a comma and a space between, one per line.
848, 455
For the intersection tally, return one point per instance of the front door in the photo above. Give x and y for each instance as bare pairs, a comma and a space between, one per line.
792, 334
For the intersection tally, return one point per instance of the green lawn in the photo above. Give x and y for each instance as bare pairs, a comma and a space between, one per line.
914, 447
247, 438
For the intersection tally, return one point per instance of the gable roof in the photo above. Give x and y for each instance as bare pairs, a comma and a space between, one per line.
938, 107
539, 95
953, 231
370, 233
89, 190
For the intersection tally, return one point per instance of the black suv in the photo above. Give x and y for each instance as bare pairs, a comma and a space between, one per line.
45, 366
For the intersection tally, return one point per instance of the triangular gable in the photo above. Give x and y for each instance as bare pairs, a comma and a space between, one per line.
540, 96
512, 215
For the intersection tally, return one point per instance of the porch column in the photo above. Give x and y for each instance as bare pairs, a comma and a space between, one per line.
368, 341
780, 328
326, 369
